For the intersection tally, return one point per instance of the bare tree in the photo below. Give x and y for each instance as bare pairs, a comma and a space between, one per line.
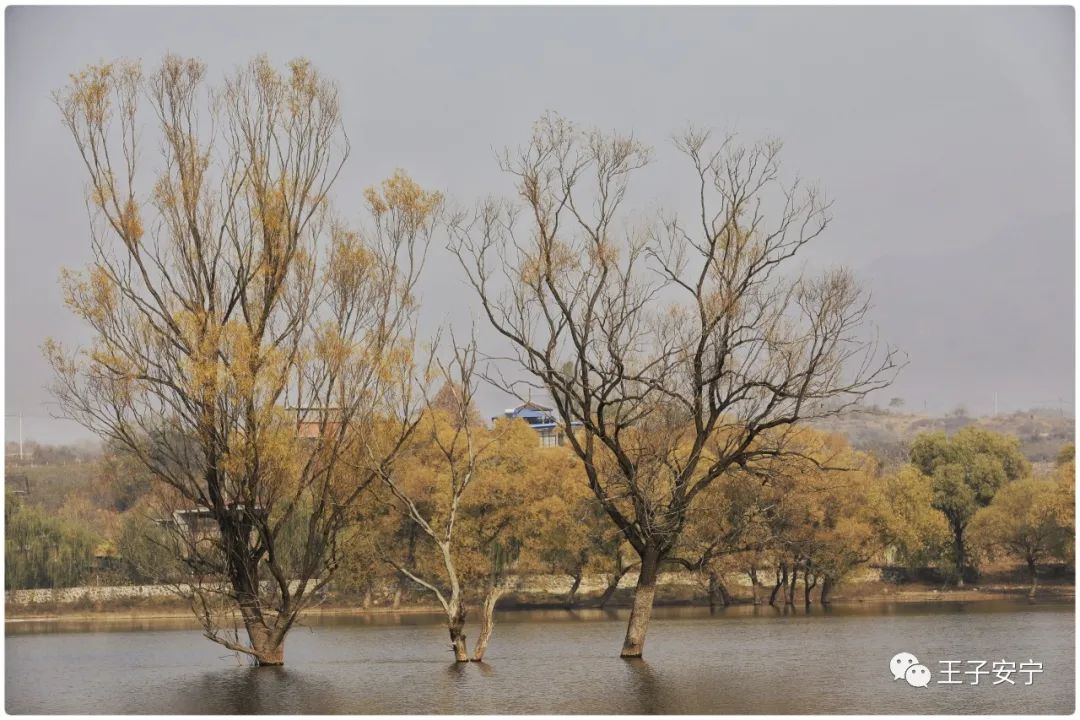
673, 350
433, 504
251, 352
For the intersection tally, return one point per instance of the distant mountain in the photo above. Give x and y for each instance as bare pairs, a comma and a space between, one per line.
1042, 432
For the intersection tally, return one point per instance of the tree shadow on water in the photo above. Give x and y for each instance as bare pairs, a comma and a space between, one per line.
484, 668
250, 691
453, 694
455, 671
644, 687
458, 673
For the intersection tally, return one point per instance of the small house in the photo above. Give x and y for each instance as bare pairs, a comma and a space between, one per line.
542, 420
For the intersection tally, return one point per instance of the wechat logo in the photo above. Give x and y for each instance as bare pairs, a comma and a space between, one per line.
905, 666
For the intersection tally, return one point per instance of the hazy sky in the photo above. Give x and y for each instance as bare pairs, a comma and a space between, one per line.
944, 136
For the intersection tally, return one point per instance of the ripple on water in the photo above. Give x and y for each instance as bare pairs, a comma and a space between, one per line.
743, 660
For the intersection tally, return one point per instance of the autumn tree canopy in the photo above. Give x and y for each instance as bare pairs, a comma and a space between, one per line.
966, 470
671, 345
230, 308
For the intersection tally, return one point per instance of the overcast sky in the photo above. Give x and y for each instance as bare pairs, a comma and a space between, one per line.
944, 136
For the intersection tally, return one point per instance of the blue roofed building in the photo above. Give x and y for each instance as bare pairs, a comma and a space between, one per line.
541, 419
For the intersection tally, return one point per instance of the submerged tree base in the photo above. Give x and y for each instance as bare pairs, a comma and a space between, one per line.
267, 656
269, 662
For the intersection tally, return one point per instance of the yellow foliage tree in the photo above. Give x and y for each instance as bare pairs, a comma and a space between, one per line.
1030, 520
464, 498
913, 531
253, 354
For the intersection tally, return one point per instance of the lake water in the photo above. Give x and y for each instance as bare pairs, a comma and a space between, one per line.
739, 660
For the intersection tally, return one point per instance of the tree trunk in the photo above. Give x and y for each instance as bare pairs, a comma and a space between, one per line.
752, 572
789, 591
644, 594
267, 646
781, 581
807, 587
268, 649
718, 590
724, 594
961, 555
1034, 579
613, 585
571, 597
487, 622
826, 590
456, 624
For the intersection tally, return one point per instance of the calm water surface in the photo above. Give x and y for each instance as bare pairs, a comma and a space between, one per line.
741, 660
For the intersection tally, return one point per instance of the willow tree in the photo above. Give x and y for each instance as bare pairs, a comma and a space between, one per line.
671, 346
249, 350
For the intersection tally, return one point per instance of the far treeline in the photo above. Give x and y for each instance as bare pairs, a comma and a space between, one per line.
256, 365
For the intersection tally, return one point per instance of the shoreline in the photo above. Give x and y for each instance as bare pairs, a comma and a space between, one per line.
1015, 593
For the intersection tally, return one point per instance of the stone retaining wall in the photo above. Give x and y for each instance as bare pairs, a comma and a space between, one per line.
529, 584
105, 593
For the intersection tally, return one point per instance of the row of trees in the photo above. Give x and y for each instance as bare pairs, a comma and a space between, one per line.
42, 550
471, 510
843, 520
259, 359
831, 521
